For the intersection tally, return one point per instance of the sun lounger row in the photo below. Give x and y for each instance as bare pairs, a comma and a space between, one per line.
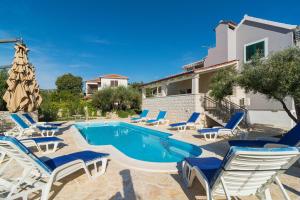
38, 175
208, 133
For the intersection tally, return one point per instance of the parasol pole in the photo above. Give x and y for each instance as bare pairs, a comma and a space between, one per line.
13, 40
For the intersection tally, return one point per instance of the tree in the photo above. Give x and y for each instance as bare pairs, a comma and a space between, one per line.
69, 82
3, 87
222, 83
277, 77
137, 85
120, 98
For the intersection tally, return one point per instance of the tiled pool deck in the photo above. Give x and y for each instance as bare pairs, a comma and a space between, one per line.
123, 183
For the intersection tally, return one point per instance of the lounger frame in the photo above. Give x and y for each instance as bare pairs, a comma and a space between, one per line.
37, 177
245, 173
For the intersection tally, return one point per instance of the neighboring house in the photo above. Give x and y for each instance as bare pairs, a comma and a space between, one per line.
184, 93
110, 80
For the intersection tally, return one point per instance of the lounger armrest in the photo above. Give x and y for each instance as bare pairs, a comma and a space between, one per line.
271, 139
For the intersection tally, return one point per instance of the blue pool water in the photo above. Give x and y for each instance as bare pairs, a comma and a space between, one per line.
138, 142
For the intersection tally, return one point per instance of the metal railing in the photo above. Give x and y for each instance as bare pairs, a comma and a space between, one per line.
224, 109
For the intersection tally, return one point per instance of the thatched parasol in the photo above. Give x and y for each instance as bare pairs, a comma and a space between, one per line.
23, 91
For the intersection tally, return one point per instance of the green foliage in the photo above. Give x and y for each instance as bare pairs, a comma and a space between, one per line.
122, 114
3, 87
48, 109
69, 82
222, 83
120, 98
136, 85
66, 101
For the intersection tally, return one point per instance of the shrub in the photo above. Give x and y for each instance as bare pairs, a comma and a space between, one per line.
122, 114
3, 87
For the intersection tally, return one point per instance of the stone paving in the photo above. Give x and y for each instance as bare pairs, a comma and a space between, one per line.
122, 183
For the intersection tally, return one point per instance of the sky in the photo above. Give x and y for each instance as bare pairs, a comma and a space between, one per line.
144, 40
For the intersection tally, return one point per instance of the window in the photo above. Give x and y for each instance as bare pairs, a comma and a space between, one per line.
114, 83
253, 48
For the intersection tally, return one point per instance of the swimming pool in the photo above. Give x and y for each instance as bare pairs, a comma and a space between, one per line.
138, 142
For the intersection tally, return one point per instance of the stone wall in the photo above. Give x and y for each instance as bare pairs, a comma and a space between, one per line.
178, 107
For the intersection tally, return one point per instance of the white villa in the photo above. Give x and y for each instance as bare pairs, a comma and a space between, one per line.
109, 80
181, 94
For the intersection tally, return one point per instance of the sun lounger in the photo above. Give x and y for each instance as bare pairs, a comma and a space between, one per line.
141, 117
291, 138
228, 129
159, 119
39, 175
25, 129
29, 118
242, 172
189, 123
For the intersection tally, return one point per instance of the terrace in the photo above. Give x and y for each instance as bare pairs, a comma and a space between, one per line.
123, 182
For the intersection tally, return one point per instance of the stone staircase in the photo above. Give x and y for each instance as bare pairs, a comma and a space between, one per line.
220, 112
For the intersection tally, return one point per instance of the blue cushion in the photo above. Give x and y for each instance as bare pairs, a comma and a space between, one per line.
47, 128
54, 124
209, 166
161, 115
193, 117
144, 113
292, 137
85, 156
44, 139
29, 118
151, 120
19, 120
209, 130
178, 124
234, 120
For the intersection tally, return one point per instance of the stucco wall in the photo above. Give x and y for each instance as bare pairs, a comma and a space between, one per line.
277, 119
248, 32
178, 107
106, 82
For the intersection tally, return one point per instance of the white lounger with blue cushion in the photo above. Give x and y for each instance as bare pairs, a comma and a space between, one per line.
159, 119
141, 118
228, 129
39, 175
50, 144
25, 129
34, 123
189, 123
243, 172
291, 138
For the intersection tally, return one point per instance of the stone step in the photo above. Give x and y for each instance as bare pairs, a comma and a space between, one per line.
213, 117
